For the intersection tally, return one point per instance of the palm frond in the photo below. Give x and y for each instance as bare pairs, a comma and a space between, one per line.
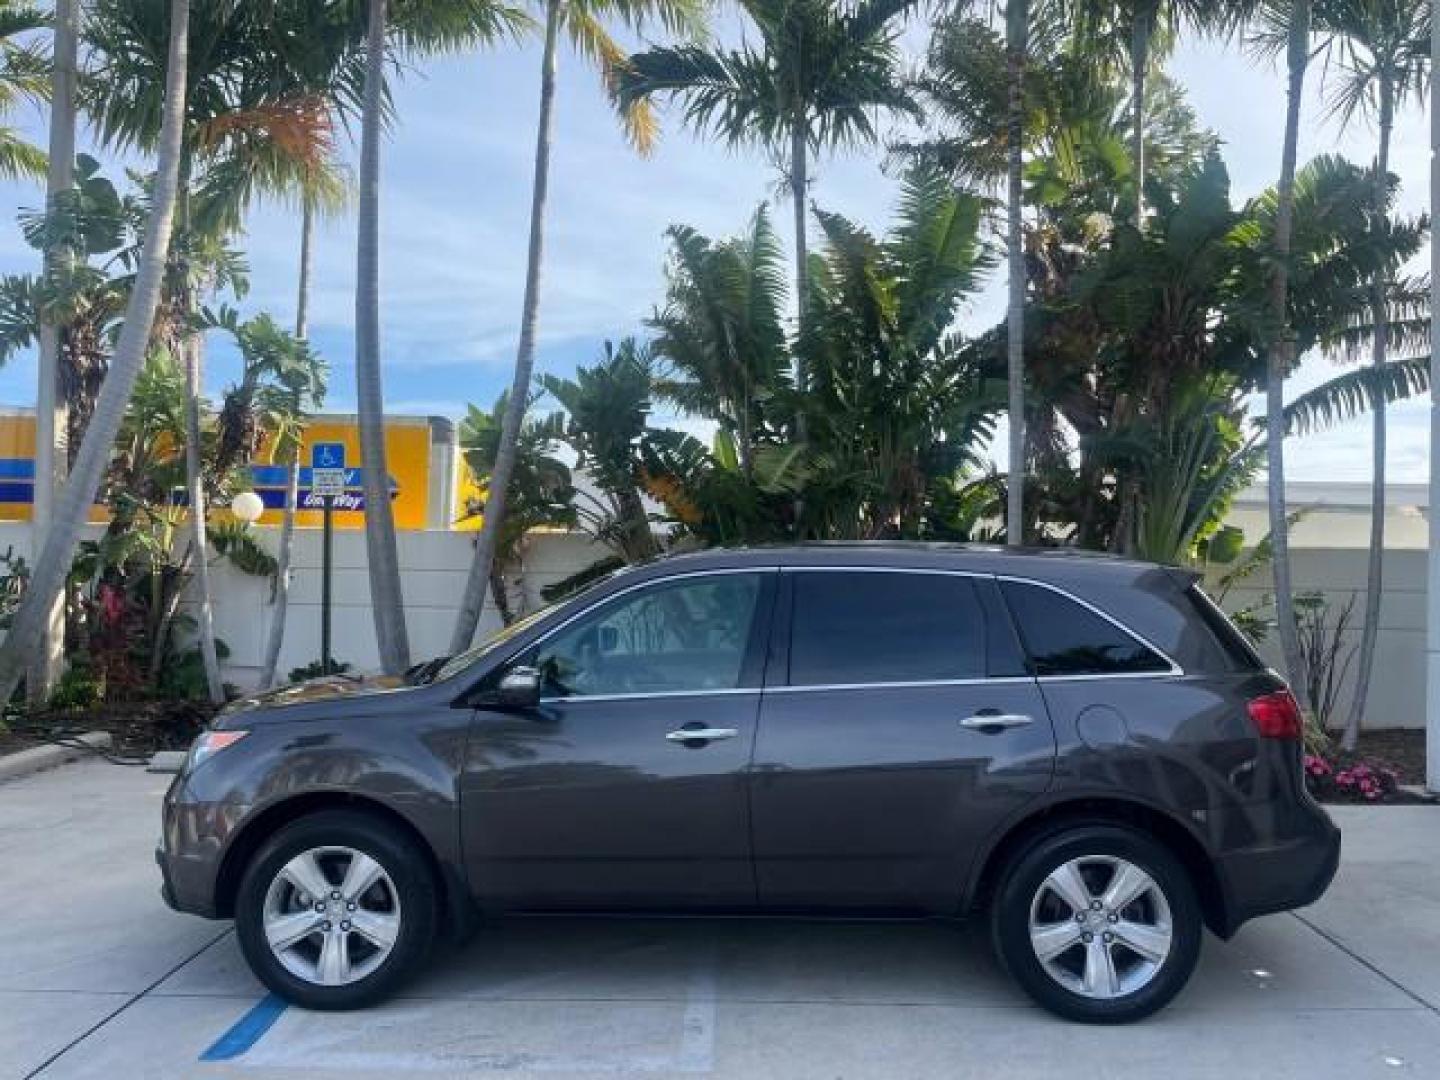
1354, 393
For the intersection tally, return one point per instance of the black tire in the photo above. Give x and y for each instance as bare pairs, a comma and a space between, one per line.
1021, 882
414, 885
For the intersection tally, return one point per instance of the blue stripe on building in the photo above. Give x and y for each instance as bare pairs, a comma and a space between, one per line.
17, 485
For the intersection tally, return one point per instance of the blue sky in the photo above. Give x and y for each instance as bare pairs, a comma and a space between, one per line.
455, 207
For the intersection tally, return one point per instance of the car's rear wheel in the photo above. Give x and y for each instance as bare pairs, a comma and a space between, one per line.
336, 910
1098, 923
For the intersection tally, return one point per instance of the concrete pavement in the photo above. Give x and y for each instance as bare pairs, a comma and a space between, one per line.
99, 979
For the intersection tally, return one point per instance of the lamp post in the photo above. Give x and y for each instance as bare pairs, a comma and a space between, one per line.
1432, 597
247, 507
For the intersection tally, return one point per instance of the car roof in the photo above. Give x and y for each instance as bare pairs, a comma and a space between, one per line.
1043, 564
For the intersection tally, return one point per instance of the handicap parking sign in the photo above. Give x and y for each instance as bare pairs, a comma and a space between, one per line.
327, 455
327, 470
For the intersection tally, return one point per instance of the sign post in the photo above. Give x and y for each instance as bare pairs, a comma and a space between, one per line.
327, 482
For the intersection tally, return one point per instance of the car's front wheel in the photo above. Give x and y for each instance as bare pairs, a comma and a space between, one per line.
336, 910
1098, 923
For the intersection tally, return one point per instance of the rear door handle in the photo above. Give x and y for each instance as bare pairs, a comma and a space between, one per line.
702, 734
996, 721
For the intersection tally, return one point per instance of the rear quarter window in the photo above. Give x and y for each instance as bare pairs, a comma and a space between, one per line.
1235, 647
1064, 638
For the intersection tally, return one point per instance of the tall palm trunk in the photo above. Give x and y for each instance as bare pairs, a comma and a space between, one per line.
193, 348
386, 599
1017, 22
497, 496
283, 557
51, 414
1140, 37
1375, 576
1282, 347
73, 506
799, 183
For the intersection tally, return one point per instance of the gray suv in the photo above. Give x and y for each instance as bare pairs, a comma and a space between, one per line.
1079, 748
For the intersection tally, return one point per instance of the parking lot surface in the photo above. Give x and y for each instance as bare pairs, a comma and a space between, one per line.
99, 979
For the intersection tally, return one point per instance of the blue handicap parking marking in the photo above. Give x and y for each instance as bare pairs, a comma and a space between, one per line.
246, 1031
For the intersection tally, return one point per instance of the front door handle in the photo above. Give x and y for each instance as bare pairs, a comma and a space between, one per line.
702, 734
996, 721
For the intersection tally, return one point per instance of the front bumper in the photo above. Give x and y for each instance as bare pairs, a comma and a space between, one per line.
191, 850
1289, 873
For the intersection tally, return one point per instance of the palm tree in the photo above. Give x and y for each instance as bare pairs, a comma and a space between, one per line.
899, 402
720, 337
1017, 36
78, 496
541, 487
257, 122
386, 598
275, 638
421, 26
1287, 20
1141, 29
322, 51
816, 80
51, 462
1384, 59
24, 76
581, 21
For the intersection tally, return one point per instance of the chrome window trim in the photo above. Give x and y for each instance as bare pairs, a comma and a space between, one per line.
1175, 671
924, 684
847, 569
756, 571
738, 691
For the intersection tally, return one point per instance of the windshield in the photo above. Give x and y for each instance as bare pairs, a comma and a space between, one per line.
462, 661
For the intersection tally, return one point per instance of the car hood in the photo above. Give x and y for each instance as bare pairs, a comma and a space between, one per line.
313, 692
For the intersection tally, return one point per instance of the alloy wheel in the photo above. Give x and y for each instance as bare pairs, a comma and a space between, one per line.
331, 915
1101, 926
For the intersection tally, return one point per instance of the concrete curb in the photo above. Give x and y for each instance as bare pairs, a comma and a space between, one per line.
26, 762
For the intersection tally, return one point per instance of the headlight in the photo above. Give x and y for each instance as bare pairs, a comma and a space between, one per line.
209, 744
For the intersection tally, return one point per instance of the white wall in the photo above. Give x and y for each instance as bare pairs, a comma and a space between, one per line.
433, 569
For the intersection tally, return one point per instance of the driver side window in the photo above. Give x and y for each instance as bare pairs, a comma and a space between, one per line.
686, 635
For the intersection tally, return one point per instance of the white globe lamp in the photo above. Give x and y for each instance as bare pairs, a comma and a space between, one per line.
247, 507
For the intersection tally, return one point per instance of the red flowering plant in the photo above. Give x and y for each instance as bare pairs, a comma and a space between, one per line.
1335, 775
1348, 778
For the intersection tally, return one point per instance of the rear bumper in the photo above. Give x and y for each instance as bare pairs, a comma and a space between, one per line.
1280, 876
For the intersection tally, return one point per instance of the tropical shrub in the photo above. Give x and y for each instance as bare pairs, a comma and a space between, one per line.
316, 668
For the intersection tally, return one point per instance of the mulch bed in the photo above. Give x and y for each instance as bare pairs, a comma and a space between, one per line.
1401, 749
139, 729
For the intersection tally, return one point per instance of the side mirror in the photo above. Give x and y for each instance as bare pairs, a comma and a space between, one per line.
519, 688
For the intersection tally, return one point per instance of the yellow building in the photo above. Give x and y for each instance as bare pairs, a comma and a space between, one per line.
431, 487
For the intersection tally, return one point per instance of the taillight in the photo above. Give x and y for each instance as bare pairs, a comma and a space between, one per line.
1277, 715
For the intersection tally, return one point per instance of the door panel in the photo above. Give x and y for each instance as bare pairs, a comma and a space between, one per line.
876, 796
597, 799
588, 804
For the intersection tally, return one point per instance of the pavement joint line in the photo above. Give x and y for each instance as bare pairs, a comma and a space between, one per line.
1368, 965
131, 1000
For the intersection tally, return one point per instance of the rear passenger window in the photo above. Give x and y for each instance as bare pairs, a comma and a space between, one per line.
1066, 638
854, 627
